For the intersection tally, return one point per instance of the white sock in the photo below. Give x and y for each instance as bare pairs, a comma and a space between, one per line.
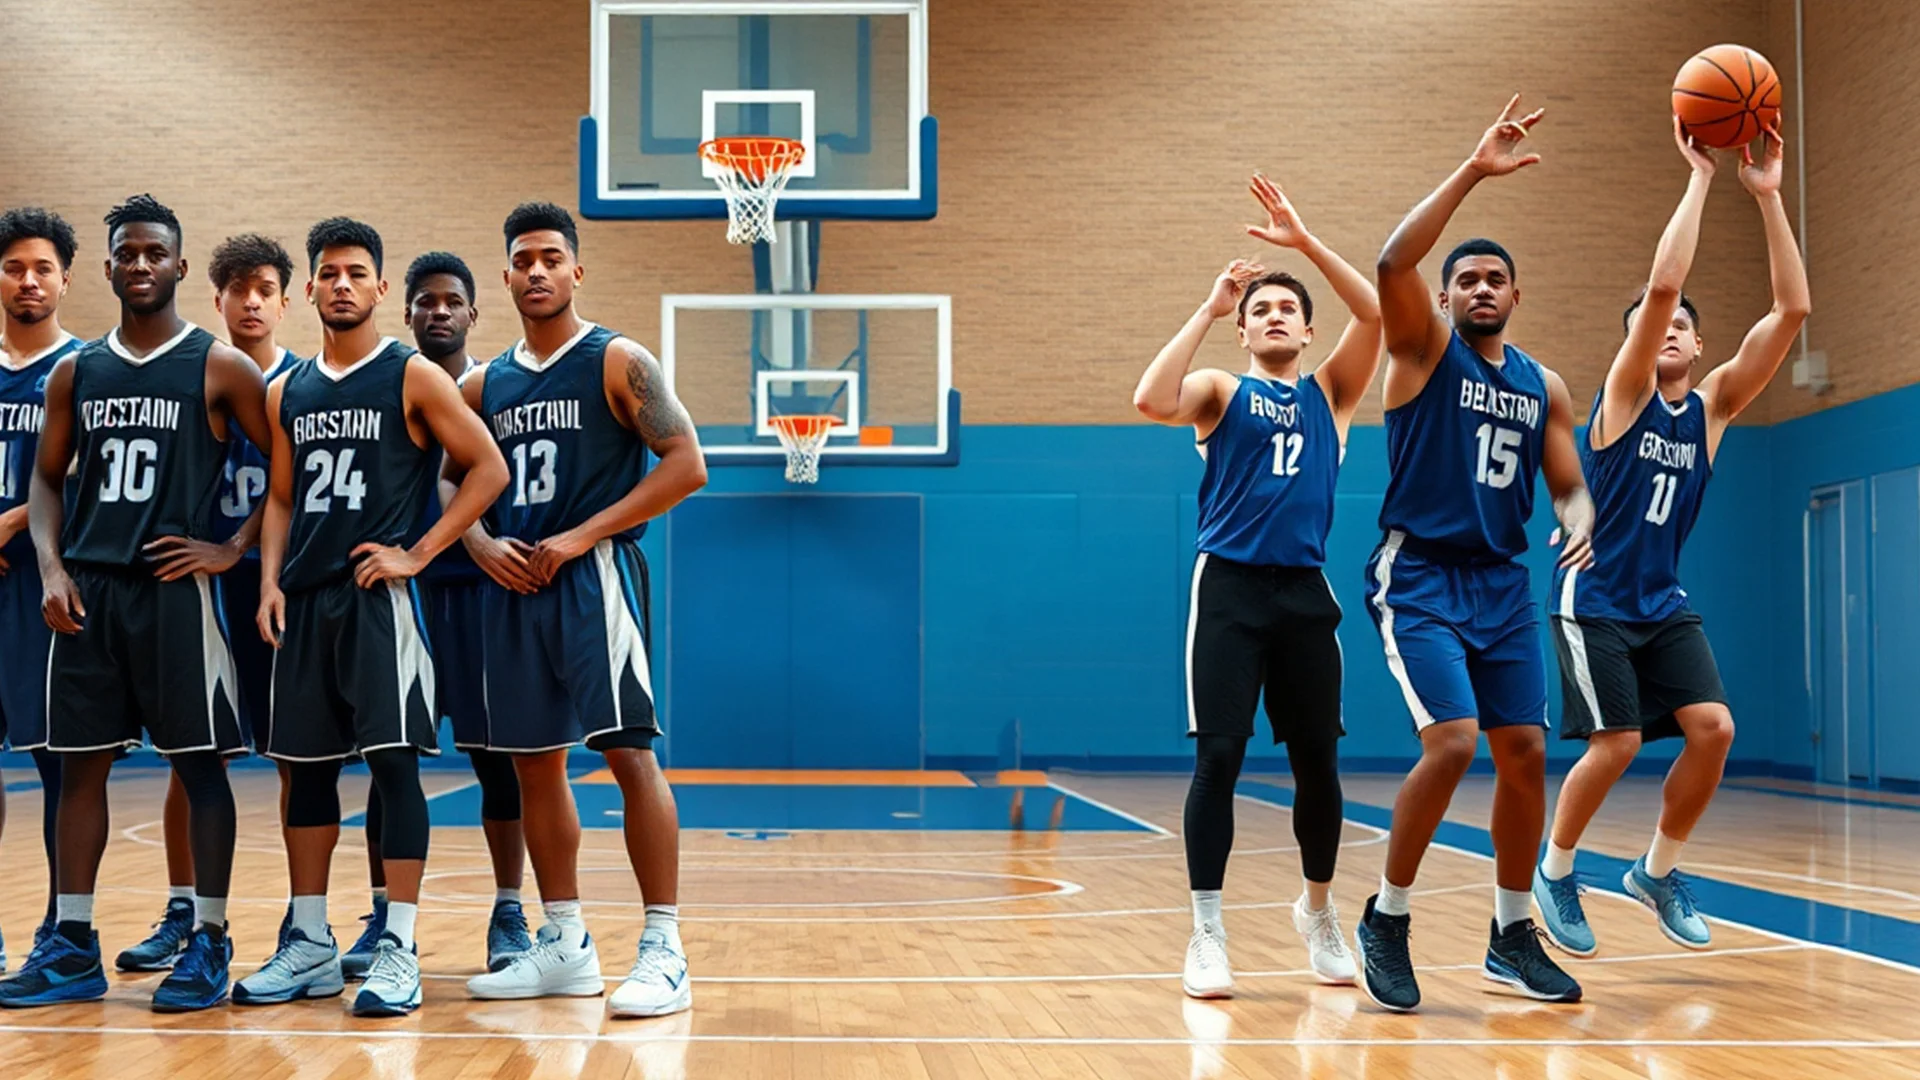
1393, 900
1664, 855
1206, 909
73, 907
663, 921
1558, 863
502, 896
210, 911
379, 896
1511, 906
564, 914
179, 892
400, 918
310, 918
1308, 888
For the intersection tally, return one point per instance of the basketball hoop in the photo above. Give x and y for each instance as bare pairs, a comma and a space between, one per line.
804, 436
753, 172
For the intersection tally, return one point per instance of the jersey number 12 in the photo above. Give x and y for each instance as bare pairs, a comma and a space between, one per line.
1286, 453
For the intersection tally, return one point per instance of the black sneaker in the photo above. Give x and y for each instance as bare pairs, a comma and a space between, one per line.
1386, 969
1515, 959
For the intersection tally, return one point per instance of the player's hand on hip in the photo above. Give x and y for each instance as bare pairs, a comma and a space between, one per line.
1697, 156
174, 557
555, 551
1225, 298
60, 603
1499, 151
1578, 550
382, 562
1762, 178
505, 561
1284, 227
272, 616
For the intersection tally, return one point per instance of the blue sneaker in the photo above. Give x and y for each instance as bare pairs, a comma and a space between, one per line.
165, 944
1561, 915
358, 959
506, 935
301, 968
58, 972
393, 981
1515, 959
199, 978
1672, 902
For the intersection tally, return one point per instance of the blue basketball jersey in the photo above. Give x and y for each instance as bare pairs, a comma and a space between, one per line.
568, 456
244, 483
23, 409
1647, 488
1267, 494
1462, 457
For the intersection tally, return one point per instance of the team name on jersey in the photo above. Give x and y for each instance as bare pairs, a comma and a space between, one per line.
1500, 404
561, 415
337, 424
1283, 415
126, 412
21, 418
1672, 455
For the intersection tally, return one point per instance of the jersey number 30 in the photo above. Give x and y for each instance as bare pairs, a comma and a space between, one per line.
131, 464
1498, 463
333, 477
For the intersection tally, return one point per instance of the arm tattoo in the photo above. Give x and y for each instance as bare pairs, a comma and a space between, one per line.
657, 414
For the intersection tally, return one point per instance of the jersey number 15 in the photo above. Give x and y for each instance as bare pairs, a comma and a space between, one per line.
1497, 463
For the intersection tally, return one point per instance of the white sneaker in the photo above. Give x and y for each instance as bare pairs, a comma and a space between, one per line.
302, 968
1208, 975
558, 965
1326, 946
658, 983
393, 981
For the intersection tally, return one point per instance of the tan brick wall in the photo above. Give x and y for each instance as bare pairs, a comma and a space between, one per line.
1093, 158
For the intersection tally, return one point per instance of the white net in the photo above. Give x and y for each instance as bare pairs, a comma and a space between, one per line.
753, 173
803, 437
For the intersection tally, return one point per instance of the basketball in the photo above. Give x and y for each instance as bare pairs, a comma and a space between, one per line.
1726, 96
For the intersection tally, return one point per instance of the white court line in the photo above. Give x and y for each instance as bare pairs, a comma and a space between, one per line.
1114, 810
1060, 888
384, 1034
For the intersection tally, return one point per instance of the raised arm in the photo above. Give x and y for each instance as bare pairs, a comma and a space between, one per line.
1560, 466
46, 507
1171, 394
1416, 331
637, 390
277, 517
1732, 386
1635, 375
1346, 372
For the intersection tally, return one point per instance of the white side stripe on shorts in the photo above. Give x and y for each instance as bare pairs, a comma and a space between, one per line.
626, 649
216, 659
1193, 620
1383, 578
1576, 640
411, 661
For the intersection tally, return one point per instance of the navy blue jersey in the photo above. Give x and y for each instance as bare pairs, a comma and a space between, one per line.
1462, 457
23, 408
147, 461
1647, 488
1267, 495
569, 457
243, 484
453, 565
358, 476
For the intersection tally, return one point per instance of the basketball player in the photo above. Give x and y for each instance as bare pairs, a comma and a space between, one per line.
129, 589
1634, 662
36, 267
1470, 421
577, 407
440, 312
250, 275
356, 437
1263, 616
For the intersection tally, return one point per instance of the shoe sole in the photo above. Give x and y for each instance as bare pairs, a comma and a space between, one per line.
385, 1009
43, 1001
182, 1007
1366, 984
305, 992
145, 968
1207, 995
680, 1004
1647, 901
584, 986
1514, 983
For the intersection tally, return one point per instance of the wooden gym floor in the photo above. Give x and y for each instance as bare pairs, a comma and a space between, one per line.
916, 949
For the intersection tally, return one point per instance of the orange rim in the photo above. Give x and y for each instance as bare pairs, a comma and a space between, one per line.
754, 156
802, 425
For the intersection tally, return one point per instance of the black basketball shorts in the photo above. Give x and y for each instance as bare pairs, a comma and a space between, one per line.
353, 674
1262, 631
1618, 676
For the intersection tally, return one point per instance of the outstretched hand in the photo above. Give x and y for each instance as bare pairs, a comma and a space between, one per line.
1227, 288
1499, 151
1762, 177
1284, 227
1697, 156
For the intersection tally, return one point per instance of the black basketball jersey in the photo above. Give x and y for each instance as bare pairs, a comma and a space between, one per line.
358, 476
148, 463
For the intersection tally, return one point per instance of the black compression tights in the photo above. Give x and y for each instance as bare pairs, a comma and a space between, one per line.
499, 793
210, 819
48, 764
1317, 806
